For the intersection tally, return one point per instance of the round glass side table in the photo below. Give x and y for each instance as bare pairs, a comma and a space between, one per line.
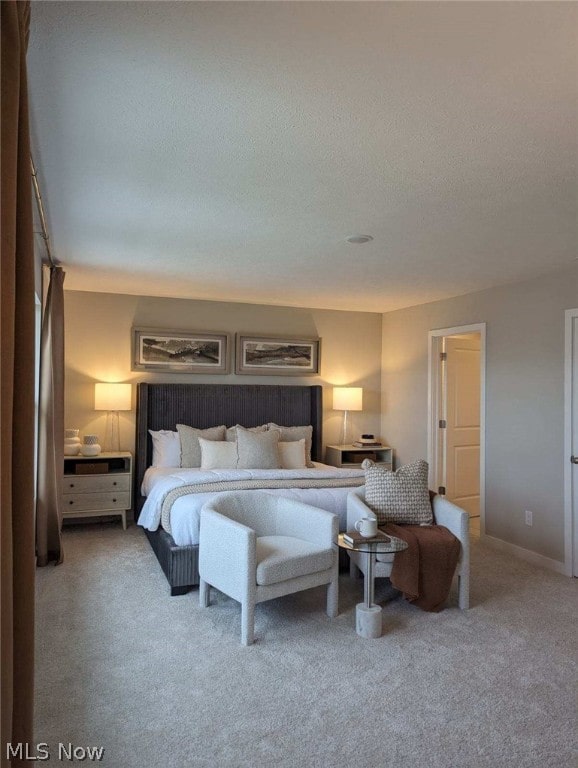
367, 614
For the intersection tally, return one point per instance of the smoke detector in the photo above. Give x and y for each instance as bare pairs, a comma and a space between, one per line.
359, 239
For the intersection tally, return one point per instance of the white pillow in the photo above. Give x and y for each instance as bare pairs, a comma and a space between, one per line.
292, 455
166, 448
190, 448
290, 434
218, 454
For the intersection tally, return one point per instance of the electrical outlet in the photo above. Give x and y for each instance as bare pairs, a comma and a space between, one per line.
529, 517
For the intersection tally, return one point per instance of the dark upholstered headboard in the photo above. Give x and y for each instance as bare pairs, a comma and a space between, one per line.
163, 406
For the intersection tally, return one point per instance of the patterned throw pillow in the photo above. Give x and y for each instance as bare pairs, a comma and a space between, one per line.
401, 496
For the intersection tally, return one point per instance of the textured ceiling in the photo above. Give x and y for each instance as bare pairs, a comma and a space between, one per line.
225, 151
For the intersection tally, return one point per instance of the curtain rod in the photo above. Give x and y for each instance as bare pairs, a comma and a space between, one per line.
44, 234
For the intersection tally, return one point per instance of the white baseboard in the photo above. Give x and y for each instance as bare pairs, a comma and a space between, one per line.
526, 554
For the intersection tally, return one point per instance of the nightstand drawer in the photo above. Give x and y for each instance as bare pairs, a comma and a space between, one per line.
74, 484
71, 502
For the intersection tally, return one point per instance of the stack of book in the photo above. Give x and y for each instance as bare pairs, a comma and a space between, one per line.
355, 538
361, 443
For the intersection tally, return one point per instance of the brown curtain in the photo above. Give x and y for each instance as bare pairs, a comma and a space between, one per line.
51, 424
17, 392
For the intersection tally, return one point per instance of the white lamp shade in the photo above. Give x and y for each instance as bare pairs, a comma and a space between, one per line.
348, 398
112, 397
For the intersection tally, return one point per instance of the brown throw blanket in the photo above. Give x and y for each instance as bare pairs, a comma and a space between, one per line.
424, 571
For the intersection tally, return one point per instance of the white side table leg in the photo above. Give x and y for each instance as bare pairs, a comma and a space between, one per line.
367, 614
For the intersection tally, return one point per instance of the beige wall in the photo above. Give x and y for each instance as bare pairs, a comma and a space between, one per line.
98, 348
524, 398
524, 384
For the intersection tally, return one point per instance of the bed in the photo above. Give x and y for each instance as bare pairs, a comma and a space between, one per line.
163, 406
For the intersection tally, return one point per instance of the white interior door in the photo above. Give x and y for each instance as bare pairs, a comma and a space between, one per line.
574, 439
462, 416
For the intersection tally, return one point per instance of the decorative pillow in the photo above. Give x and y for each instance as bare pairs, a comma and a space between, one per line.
232, 431
257, 450
290, 434
190, 448
401, 496
218, 454
166, 448
292, 455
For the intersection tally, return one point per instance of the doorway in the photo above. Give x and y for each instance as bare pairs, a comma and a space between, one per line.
571, 443
457, 418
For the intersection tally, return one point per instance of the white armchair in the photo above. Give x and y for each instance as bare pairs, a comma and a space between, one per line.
254, 546
454, 518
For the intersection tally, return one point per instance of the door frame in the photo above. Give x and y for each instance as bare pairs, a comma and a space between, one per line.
570, 525
435, 338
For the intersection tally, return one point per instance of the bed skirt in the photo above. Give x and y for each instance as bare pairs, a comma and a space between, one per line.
180, 564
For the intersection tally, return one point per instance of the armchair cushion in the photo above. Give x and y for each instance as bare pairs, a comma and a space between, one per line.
285, 557
401, 496
385, 557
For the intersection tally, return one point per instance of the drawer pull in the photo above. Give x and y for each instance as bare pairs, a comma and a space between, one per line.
71, 485
114, 482
114, 501
71, 502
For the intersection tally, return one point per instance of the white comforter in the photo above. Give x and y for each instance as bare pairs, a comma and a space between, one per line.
185, 511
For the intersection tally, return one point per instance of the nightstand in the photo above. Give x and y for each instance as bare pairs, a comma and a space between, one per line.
351, 456
97, 485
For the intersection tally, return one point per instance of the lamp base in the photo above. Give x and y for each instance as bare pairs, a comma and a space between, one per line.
345, 434
112, 432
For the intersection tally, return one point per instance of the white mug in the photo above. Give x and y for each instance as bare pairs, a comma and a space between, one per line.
367, 526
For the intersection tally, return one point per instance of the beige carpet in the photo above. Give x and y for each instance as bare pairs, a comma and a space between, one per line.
160, 682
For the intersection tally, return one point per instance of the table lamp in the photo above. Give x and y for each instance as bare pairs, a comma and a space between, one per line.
347, 399
112, 398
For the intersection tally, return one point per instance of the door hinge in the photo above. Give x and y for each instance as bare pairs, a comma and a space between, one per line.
442, 490
443, 424
443, 356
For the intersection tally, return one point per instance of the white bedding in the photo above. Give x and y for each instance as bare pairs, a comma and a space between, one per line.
185, 511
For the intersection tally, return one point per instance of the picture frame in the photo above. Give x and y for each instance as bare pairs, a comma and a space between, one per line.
277, 355
173, 351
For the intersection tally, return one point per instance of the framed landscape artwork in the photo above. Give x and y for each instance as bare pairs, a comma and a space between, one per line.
268, 355
179, 351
